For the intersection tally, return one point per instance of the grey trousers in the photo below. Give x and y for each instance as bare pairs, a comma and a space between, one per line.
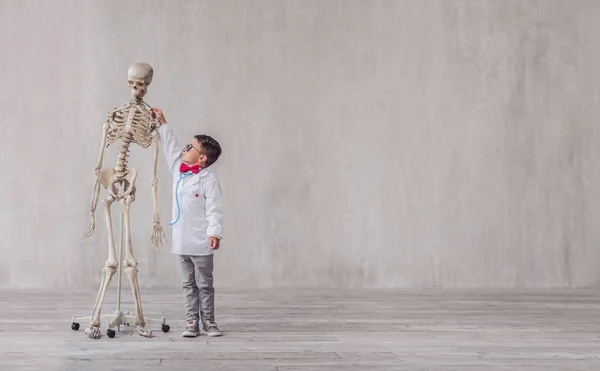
198, 290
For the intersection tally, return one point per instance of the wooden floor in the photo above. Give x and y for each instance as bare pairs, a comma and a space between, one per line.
308, 330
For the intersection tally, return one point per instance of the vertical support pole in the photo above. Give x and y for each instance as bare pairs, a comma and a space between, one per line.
120, 270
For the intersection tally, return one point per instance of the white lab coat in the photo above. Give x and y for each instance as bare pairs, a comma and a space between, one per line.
200, 202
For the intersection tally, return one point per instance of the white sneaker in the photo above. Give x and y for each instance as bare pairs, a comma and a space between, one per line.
192, 330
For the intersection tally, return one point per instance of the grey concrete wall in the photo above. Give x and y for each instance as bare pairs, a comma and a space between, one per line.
366, 143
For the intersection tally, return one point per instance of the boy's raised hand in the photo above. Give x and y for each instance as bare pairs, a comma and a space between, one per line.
214, 243
159, 115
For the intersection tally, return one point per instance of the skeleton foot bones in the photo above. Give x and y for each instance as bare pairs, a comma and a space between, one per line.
132, 123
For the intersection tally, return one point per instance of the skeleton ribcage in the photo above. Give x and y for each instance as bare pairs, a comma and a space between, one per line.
133, 119
131, 123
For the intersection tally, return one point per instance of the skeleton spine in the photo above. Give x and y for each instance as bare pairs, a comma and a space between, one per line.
121, 168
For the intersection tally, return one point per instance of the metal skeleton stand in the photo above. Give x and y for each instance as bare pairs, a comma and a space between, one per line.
119, 317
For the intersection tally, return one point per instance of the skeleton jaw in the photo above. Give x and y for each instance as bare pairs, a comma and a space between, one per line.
138, 93
138, 88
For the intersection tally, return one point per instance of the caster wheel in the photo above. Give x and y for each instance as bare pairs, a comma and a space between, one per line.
127, 324
110, 333
166, 328
75, 326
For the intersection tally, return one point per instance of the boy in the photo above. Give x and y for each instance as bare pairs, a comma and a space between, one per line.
197, 222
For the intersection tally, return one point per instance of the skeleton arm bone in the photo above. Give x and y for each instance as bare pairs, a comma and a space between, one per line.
157, 232
96, 192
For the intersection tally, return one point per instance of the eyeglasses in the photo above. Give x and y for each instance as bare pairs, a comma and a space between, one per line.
189, 146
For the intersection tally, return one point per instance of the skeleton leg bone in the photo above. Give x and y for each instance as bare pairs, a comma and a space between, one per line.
131, 270
110, 267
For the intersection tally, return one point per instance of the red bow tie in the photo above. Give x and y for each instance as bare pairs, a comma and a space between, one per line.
185, 168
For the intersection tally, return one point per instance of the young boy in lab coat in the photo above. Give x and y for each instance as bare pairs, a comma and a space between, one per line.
197, 224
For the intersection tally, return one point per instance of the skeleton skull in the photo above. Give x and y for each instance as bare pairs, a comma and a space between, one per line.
139, 77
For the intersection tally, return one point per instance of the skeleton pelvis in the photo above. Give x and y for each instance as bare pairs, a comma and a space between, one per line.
118, 187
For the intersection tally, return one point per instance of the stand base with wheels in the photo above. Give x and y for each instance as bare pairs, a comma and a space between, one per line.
119, 317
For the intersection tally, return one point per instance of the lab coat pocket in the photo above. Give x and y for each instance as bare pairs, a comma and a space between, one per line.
196, 195
199, 205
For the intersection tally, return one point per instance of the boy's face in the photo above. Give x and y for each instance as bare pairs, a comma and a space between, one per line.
192, 153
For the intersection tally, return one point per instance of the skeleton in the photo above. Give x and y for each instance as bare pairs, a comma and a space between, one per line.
131, 123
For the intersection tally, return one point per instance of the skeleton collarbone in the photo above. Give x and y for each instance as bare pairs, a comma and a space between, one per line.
131, 123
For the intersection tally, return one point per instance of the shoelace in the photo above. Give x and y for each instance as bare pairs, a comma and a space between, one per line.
209, 324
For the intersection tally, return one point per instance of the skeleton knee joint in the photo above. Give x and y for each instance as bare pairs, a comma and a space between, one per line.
111, 264
130, 264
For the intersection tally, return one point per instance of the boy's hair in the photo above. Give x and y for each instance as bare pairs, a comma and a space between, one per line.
210, 147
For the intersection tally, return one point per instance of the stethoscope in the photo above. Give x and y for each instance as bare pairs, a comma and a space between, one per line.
181, 177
